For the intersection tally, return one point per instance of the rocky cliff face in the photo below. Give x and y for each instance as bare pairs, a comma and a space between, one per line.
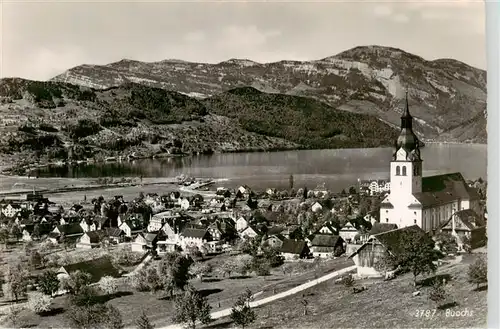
447, 97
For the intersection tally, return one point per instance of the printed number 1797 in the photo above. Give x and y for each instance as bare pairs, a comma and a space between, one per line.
425, 313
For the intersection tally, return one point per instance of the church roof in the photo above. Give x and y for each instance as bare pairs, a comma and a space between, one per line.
442, 189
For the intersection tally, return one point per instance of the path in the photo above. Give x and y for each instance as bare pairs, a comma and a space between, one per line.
302, 287
141, 265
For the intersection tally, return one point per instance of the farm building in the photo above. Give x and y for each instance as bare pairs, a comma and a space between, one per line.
377, 245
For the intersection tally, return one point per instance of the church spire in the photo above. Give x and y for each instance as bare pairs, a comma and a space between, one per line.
406, 118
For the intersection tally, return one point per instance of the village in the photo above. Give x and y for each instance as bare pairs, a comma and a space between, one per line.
53, 250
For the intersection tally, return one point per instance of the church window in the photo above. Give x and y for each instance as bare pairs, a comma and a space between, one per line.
387, 220
414, 221
404, 170
414, 212
398, 171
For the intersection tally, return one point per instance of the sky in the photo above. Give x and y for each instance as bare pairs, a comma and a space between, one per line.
40, 39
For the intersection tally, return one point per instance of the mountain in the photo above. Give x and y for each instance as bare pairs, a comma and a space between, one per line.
447, 97
50, 121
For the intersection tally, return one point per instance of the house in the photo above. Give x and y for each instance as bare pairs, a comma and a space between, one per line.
378, 228
274, 241
349, 232
196, 201
174, 195
328, 228
97, 268
316, 207
366, 256
372, 217
101, 222
132, 227
294, 249
91, 239
216, 231
11, 210
114, 234
87, 225
245, 191
146, 241
326, 245
43, 230
69, 230
466, 224
183, 203
194, 237
250, 232
241, 224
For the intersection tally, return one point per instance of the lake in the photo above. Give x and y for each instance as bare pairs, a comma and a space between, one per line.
337, 169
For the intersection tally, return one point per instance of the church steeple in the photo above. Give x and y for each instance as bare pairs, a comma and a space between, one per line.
407, 139
407, 119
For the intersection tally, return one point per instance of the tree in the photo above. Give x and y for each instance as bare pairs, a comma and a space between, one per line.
86, 317
14, 315
241, 313
343, 193
108, 285
39, 302
417, 254
76, 281
352, 190
273, 256
199, 269
348, 280
35, 260
48, 282
143, 322
478, 272
290, 182
385, 263
261, 267
114, 318
466, 244
36, 232
17, 281
4, 236
191, 307
242, 264
447, 243
437, 293
15, 232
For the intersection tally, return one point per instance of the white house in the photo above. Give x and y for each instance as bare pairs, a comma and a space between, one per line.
328, 228
11, 210
90, 239
348, 232
423, 201
316, 207
183, 203
249, 232
194, 237
241, 224
87, 225
131, 227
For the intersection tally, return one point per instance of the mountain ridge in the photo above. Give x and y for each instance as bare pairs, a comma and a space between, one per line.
43, 122
444, 93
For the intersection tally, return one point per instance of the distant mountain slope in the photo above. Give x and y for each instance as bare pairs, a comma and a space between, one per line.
50, 121
447, 97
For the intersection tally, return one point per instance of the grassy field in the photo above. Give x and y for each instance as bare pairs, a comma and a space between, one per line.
221, 294
19, 183
384, 305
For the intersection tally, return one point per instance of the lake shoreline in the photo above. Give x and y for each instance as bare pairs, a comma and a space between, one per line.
6, 170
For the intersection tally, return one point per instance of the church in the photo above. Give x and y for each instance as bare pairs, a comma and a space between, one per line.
424, 201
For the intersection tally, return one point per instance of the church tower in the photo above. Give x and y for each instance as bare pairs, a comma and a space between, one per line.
406, 164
